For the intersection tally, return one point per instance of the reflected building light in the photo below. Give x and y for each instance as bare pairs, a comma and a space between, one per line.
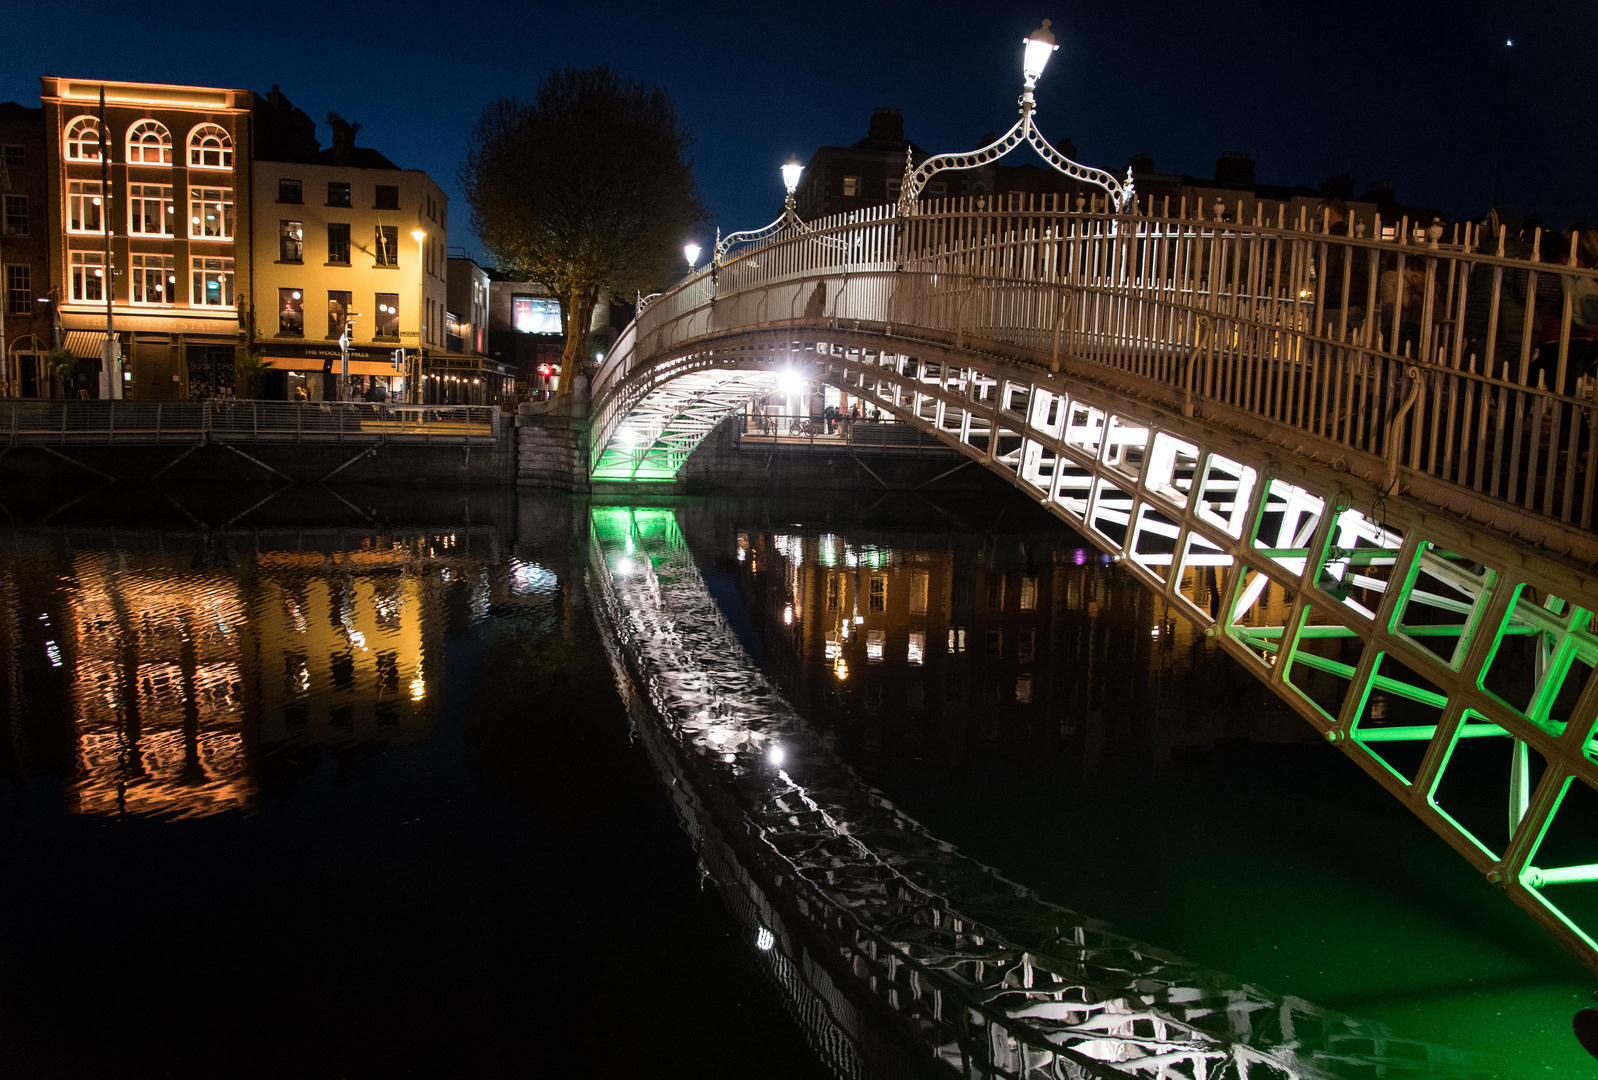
833, 649
418, 687
875, 640
358, 640
776, 755
53, 651
1080, 557
1023, 689
917, 651
787, 615
624, 566
764, 939
841, 669
827, 551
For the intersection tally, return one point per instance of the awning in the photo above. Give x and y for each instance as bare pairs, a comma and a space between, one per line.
357, 367
84, 344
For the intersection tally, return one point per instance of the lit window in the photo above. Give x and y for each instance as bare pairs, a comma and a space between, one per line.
338, 311
851, 186
149, 143
88, 275
155, 279
210, 147
1023, 689
83, 139
1029, 594
385, 241
291, 312
83, 206
19, 289
213, 282
879, 593
151, 211
917, 652
211, 213
16, 222
290, 242
535, 315
386, 325
338, 243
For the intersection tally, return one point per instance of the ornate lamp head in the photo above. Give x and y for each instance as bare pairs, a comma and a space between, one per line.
790, 173
1039, 47
691, 250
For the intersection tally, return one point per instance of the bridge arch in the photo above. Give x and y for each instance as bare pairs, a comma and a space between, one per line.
1365, 520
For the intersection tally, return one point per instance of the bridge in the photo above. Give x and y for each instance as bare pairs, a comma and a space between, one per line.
1351, 459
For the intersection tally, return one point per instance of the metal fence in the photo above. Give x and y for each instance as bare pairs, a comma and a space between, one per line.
101, 423
1464, 354
849, 436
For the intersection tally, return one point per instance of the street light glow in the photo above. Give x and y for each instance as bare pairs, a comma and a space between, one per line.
1039, 47
790, 173
691, 250
418, 235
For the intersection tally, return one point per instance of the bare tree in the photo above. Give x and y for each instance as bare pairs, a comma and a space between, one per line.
586, 186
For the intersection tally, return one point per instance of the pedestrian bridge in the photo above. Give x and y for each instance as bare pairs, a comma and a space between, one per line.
1347, 458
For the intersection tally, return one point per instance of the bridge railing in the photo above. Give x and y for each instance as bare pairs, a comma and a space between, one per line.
106, 423
1461, 354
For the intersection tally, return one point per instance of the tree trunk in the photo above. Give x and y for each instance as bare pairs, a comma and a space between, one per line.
579, 313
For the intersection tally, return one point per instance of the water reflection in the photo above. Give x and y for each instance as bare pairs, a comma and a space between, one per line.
958, 639
178, 661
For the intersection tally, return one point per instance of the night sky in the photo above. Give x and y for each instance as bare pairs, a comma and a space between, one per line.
1417, 92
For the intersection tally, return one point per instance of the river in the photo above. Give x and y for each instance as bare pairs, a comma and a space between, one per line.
367, 783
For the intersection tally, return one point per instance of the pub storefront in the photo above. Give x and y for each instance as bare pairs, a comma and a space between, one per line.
310, 373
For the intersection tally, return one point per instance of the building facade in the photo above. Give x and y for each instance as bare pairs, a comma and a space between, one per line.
345, 241
148, 200
466, 373
27, 310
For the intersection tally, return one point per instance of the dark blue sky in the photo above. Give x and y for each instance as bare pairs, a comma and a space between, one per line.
1408, 91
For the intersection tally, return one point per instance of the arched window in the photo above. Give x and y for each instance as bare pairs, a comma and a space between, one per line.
83, 139
149, 143
210, 147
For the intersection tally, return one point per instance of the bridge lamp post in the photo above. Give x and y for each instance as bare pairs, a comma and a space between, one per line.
691, 250
421, 301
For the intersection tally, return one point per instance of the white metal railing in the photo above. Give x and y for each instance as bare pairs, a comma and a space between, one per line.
1463, 355
25, 421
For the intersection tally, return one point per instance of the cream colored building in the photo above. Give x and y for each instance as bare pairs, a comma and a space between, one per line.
345, 235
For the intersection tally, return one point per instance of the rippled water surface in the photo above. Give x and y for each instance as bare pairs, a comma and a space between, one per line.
344, 786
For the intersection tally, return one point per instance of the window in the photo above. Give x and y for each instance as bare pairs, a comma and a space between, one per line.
338, 244
338, 194
210, 147
83, 139
14, 156
535, 315
213, 282
879, 593
1027, 646
87, 269
291, 312
386, 244
338, 311
19, 289
151, 211
290, 242
290, 191
893, 189
851, 186
83, 206
1023, 689
1029, 594
16, 215
387, 197
937, 191
149, 143
387, 324
211, 213
155, 279
995, 643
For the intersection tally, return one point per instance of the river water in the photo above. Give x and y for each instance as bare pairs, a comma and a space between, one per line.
365, 784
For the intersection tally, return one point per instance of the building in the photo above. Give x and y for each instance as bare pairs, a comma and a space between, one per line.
343, 239
467, 374
524, 330
150, 234
27, 311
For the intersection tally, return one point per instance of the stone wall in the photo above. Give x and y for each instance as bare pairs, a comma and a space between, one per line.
552, 439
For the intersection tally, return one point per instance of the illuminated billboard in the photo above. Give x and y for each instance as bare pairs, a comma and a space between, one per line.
535, 315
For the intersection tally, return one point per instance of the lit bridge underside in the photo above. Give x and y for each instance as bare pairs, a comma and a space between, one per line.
1394, 543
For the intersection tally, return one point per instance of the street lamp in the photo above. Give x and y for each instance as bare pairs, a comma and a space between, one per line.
1039, 47
691, 250
413, 387
790, 174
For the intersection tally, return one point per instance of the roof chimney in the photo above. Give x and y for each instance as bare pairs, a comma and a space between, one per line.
1234, 168
887, 126
343, 136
